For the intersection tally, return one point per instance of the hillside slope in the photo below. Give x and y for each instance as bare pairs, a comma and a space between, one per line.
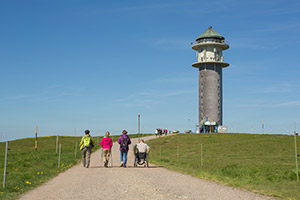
260, 163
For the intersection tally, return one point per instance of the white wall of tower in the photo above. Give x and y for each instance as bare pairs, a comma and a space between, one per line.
210, 53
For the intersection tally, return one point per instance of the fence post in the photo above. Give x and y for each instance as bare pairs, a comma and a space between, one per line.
160, 152
36, 144
101, 159
201, 162
5, 164
76, 150
111, 159
296, 153
177, 153
59, 155
56, 143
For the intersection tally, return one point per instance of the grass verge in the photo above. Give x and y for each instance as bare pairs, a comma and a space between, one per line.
27, 168
264, 164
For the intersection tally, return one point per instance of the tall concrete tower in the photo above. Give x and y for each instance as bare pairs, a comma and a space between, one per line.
209, 46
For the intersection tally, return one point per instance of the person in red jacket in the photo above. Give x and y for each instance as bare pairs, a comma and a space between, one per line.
106, 144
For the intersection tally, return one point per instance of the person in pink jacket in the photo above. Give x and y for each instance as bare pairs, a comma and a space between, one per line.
106, 144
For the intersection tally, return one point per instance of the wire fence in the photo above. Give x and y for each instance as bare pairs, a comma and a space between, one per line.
61, 154
27, 159
273, 157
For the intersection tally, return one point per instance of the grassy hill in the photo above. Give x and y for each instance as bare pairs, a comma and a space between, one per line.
27, 169
261, 163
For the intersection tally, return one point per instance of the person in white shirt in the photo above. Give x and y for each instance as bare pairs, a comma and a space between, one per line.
141, 149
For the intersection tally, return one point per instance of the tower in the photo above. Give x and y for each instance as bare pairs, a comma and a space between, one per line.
209, 46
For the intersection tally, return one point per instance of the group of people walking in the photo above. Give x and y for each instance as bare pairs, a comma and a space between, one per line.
87, 143
160, 132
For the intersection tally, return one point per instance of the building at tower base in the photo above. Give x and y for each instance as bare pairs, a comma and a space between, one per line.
210, 62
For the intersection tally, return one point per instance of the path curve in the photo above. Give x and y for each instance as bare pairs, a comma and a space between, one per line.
112, 183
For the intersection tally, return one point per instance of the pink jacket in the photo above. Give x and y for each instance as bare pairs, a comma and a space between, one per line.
106, 143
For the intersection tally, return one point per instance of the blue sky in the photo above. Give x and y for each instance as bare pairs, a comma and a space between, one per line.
98, 64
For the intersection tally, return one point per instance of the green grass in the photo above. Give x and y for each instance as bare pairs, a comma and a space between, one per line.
264, 164
27, 168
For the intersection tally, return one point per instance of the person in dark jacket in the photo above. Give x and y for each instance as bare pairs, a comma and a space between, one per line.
124, 142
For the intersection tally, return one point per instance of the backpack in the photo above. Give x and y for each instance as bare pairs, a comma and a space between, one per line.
124, 144
87, 142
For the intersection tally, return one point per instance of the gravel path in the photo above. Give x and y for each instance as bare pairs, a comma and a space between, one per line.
130, 183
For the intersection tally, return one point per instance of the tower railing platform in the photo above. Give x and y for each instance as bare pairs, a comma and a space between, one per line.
196, 46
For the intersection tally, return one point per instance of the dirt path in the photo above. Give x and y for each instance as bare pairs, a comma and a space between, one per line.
130, 183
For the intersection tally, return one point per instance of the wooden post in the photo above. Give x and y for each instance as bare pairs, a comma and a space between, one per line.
201, 161
5, 164
35, 138
101, 159
56, 143
139, 126
177, 153
296, 153
159, 152
111, 159
59, 155
76, 150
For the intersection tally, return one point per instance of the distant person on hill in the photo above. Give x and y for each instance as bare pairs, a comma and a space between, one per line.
124, 142
86, 145
106, 144
156, 132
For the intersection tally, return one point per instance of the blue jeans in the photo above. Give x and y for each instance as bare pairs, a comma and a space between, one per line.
124, 154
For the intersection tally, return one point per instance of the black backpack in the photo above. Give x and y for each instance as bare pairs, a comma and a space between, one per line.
124, 144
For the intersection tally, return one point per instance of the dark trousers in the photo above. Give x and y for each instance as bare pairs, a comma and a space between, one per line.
86, 156
141, 156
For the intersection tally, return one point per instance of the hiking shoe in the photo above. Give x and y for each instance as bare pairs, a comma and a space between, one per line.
122, 165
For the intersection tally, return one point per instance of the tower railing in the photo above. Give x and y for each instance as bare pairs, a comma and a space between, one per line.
212, 42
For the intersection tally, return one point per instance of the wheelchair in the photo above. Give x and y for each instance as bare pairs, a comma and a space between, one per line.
140, 158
